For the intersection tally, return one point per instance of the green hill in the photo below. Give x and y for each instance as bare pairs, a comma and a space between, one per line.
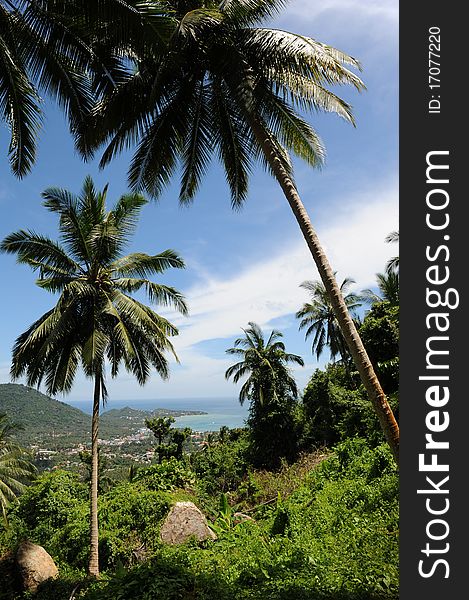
43, 418
54, 424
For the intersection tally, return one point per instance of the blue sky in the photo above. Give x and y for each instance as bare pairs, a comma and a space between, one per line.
248, 265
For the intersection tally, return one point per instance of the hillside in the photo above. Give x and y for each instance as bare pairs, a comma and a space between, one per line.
54, 424
42, 417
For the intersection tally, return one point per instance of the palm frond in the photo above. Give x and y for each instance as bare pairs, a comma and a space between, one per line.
233, 141
248, 12
145, 265
278, 49
198, 146
19, 102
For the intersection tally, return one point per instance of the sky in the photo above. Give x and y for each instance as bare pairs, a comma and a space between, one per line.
247, 265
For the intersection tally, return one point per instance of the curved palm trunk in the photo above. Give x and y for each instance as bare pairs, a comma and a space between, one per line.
93, 567
346, 324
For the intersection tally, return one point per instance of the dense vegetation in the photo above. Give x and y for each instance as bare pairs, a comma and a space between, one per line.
323, 523
329, 532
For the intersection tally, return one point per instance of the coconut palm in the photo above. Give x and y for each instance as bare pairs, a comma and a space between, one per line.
271, 391
265, 363
15, 466
318, 318
95, 322
228, 87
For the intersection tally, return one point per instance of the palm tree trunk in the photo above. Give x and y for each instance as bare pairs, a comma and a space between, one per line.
93, 567
360, 357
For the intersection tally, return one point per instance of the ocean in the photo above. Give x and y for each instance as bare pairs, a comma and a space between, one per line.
220, 411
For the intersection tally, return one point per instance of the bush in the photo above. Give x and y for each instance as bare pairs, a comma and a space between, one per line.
129, 524
171, 474
54, 512
333, 412
222, 467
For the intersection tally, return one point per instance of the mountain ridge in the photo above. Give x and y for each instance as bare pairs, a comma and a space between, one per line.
47, 421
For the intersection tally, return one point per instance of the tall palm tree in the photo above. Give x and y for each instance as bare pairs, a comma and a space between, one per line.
96, 322
265, 363
224, 85
318, 318
15, 466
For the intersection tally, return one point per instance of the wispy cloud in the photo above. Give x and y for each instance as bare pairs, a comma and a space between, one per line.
354, 242
266, 292
308, 10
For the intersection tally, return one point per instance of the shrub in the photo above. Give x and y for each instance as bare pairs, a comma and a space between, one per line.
169, 475
129, 523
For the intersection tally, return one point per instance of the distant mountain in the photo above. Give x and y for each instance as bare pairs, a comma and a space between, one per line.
54, 424
42, 418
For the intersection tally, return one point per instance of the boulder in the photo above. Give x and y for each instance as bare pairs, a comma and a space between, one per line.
239, 517
35, 565
184, 521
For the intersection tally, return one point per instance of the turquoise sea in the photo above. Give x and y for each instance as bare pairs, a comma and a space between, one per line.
220, 411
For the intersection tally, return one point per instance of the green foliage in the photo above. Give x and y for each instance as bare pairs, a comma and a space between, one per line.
273, 432
169, 475
47, 505
223, 466
380, 335
330, 534
130, 519
160, 428
54, 513
335, 537
334, 412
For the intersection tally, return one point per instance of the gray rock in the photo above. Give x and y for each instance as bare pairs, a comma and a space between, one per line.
239, 517
184, 521
35, 565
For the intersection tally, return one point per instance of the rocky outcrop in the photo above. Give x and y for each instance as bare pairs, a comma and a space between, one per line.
35, 565
184, 521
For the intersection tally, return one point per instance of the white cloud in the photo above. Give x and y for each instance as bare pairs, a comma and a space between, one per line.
309, 10
354, 243
353, 238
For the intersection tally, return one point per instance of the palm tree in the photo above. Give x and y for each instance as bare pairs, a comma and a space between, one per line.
224, 85
15, 467
388, 285
271, 391
318, 318
264, 364
95, 321
393, 263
